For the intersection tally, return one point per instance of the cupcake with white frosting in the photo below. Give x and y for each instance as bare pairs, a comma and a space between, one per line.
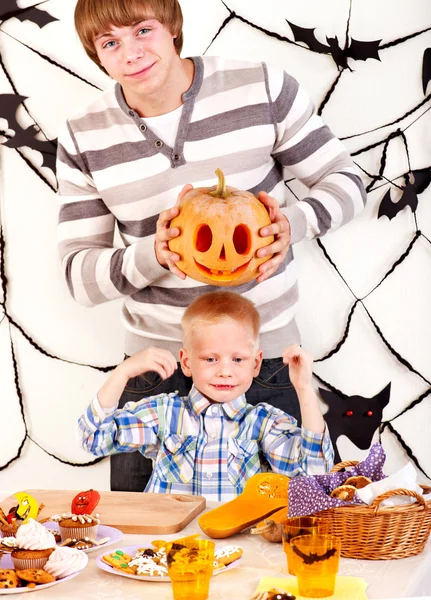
65, 561
34, 545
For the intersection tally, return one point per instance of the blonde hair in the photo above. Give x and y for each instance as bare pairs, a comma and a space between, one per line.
214, 308
93, 17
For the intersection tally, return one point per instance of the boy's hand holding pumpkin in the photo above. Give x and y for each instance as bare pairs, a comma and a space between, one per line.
164, 233
280, 228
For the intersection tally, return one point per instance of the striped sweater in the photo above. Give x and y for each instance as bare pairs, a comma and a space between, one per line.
248, 119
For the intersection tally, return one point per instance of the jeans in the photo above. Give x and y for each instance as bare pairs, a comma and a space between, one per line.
130, 472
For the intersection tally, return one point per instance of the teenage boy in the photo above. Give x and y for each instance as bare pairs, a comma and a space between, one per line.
210, 442
167, 122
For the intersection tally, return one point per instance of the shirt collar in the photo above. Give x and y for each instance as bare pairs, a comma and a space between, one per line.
234, 410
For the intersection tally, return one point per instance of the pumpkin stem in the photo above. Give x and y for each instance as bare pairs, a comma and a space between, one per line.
220, 191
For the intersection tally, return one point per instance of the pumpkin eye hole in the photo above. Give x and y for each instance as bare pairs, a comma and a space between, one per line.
204, 238
242, 239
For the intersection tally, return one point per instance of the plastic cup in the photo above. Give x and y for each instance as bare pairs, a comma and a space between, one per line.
315, 560
295, 527
190, 567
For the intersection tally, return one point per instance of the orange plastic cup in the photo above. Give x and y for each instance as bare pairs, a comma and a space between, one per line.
190, 567
295, 527
315, 561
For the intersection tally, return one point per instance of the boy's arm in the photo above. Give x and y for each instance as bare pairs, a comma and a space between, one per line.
152, 359
292, 450
300, 373
95, 271
103, 429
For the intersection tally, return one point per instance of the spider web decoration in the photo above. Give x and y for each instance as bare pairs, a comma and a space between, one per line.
408, 185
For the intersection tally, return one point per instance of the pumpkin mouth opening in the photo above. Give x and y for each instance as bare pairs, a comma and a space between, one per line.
222, 275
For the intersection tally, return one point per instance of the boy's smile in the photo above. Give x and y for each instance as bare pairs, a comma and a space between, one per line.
143, 59
222, 359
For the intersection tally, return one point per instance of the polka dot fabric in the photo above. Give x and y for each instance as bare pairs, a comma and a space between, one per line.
311, 494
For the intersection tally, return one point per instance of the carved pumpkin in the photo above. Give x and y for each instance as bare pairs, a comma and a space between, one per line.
219, 234
85, 502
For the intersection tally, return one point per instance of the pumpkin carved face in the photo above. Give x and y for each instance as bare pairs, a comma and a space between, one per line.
219, 234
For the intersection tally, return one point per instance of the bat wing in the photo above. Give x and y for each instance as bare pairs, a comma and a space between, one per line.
426, 69
9, 9
422, 177
311, 558
390, 209
301, 34
9, 104
363, 50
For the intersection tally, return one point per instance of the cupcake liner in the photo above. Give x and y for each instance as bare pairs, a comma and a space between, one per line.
78, 533
29, 563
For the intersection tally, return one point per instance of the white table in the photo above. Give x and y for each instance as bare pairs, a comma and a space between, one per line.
389, 579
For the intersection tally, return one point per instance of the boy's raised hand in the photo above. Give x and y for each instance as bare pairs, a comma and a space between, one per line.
300, 366
161, 361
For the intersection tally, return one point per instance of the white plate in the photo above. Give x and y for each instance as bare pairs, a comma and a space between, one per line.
6, 563
114, 535
132, 549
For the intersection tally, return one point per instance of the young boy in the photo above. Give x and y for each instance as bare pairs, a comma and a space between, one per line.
210, 442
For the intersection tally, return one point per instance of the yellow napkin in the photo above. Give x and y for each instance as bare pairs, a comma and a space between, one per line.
346, 588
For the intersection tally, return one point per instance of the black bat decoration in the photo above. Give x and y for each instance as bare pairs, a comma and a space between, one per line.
356, 49
9, 104
415, 185
312, 558
10, 8
356, 417
426, 69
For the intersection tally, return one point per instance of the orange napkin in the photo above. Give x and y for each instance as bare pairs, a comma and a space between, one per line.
346, 588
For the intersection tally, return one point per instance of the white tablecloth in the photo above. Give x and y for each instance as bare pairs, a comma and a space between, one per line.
405, 578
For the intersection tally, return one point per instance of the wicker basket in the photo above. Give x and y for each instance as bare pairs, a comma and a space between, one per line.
377, 533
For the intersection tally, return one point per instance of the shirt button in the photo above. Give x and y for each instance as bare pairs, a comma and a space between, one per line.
158, 143
214, 410
143, 127
209, 475
177, 157
96, 420
213, 436
132, 113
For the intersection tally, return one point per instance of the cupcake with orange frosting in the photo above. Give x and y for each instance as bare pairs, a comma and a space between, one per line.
34, 545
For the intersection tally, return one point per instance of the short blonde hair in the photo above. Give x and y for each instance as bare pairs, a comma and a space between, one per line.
93, 17
220, 307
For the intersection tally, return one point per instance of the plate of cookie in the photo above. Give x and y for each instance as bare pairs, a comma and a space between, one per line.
148, 563
28, 580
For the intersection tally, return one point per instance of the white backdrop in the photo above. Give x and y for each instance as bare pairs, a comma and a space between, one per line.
375, 93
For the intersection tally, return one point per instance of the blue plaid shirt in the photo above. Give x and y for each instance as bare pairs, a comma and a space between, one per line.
203, 448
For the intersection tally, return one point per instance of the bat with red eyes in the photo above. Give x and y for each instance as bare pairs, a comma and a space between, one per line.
356, 49
310, 559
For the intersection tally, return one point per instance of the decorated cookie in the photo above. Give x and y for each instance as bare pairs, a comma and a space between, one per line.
119, 560
8, 579
344, 492
147, 567
85, 502
358, 482
227, 554
35, 576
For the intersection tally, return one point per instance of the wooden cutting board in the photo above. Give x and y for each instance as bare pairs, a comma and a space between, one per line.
131, 512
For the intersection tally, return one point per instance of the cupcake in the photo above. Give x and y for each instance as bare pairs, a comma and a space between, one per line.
65, 561
77, 527
34, 545
10, 529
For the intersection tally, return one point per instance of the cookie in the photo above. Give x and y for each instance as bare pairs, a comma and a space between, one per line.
35, 576
358, 482
8, 579
227, 554
146, 567
119, 560
344, 492
218, 566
